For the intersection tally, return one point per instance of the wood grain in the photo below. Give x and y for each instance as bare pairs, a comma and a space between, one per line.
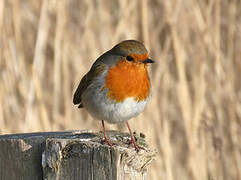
72, 155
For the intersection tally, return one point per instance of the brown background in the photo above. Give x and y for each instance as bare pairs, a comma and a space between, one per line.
194, 116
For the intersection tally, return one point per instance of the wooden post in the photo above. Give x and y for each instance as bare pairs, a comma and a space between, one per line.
72, 155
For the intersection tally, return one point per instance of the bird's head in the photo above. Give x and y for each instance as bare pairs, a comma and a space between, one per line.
133, 51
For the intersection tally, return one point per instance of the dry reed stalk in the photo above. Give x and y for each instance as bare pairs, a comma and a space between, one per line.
58, 49
144, 23
38, 64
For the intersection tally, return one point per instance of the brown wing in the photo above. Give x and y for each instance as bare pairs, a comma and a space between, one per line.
95, 70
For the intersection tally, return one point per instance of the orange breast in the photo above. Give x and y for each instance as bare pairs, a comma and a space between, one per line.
128, 79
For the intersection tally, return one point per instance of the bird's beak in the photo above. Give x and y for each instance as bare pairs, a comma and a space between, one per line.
148, 61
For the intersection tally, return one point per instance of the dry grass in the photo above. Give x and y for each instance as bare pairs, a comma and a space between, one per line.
194, 117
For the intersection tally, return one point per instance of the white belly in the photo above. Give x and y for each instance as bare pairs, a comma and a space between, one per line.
100, 107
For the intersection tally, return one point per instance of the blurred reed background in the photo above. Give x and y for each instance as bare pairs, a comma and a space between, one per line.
194, 117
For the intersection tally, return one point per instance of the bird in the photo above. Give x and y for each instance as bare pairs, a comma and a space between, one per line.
117, 86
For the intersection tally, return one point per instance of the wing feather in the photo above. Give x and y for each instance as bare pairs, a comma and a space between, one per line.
94, 72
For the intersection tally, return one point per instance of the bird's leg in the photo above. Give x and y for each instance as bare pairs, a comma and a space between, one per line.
106, 139
133, 138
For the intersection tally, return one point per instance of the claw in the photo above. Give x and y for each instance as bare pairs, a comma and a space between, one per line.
106, 141
133, 141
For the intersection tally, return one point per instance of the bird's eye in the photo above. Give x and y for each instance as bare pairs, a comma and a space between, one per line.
129, 58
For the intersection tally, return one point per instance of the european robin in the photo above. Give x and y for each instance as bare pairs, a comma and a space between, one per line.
117, 87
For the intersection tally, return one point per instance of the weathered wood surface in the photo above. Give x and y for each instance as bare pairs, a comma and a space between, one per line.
72, 155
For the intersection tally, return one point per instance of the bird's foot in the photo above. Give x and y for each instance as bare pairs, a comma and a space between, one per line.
137, 147
106, 141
